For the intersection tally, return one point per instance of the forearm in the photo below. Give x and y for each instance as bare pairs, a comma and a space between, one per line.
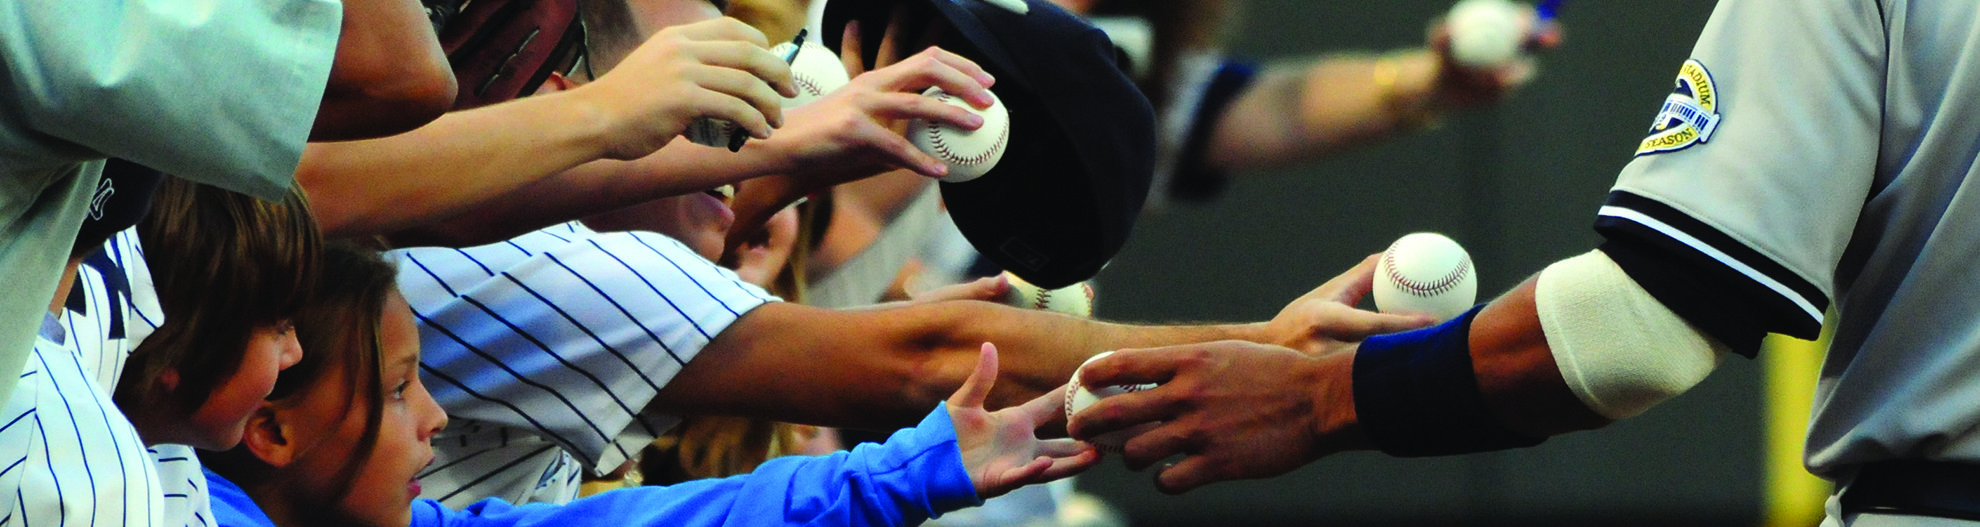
1518, 381
597, 186
885, 367
1516, 371
1301, 112
375, 186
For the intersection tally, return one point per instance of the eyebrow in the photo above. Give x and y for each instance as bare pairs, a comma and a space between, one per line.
409, 361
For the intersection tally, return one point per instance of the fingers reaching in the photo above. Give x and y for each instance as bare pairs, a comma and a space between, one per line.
988, 289
976, 388
1350, 286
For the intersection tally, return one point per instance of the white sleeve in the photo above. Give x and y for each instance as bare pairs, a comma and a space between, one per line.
1746, 191
217, 91
566, 332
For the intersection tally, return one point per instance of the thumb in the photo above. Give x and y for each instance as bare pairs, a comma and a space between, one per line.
1355, 324
977, 387
1351, 285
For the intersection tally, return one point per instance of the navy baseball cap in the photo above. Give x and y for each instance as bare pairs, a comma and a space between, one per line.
1066, 194
122, 198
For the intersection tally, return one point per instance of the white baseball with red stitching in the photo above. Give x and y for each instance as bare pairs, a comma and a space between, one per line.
1078, 397
1075, 300
1426, 273
815, 72
969, 153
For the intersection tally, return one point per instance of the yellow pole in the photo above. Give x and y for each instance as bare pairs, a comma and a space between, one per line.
1794, 498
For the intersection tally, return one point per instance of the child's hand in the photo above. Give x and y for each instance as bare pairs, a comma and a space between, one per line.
1001, 449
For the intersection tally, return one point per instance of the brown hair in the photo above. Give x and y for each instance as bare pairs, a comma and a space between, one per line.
341, 328
224, 264
609, 31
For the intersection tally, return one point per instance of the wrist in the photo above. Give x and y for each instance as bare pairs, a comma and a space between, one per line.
586, 121
1406, 83
1336, 427
1264, 333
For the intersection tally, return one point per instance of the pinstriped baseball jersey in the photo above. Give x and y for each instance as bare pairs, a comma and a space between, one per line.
111, 308
112, 299
67, 456
545, 350
1828, 157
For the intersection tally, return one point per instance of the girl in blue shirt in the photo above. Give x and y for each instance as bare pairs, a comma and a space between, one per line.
345, 430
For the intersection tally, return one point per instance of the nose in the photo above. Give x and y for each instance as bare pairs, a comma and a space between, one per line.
431, 417
291, 350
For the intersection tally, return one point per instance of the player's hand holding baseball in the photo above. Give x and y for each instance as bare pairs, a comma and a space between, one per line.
1001, 449
1325, 318
716, 68
1458, 86
1237, 410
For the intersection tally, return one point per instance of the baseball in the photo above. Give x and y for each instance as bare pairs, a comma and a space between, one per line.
1075, 300
970, 154
1487, 34
816, 71
1425, 273
1078, 398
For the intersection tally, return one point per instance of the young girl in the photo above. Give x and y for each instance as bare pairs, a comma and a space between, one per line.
344, 432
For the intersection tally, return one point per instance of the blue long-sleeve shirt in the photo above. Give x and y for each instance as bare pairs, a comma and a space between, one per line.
917, 474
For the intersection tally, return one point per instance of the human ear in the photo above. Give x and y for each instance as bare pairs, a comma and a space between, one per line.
268, 438
169, 379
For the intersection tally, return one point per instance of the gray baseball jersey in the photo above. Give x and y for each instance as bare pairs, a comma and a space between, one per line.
546, 349
1815, 151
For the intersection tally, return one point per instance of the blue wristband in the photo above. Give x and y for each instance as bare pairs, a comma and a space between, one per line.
1416, 394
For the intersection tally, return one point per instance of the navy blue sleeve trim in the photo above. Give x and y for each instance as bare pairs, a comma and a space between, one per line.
1193, 181
1727, 289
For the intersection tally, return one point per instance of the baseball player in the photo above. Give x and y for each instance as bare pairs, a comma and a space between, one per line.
1760, 195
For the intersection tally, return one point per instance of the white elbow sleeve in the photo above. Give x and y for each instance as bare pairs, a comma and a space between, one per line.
1619, 349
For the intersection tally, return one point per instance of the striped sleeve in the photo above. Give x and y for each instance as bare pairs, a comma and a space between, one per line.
1743, 199
1729, 290
565, 332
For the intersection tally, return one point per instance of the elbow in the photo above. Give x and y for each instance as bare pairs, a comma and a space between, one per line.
389, 75
390, 105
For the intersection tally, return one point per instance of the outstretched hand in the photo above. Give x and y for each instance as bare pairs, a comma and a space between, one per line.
1325, 318
1237, 410
855, 132
715, 68
1001, 449
987, 289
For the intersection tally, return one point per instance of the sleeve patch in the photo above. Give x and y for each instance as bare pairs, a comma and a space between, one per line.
1689, 115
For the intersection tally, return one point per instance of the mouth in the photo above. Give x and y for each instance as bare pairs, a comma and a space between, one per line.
725, 193
412, 484
717, 200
